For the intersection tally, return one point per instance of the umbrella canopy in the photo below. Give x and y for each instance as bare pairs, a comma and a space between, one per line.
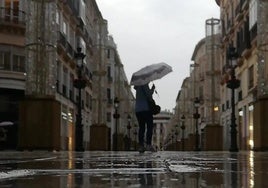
150, 73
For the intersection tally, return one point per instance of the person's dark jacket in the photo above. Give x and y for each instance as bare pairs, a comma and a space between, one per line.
143, 93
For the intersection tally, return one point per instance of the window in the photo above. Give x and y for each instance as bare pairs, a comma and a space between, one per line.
72, 37
240, 95
57, 17
16, 11
82, 11
109, 117
18, 63
252, 13
64, 27
65, 81
250, 77
201, 94
4, 60
109, 76
109, 71
58, 76
108, 53
90, 102
109, 95
71, 87
227, 104
87, 100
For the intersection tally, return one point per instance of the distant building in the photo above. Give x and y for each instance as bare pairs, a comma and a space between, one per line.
161, 126
37, 59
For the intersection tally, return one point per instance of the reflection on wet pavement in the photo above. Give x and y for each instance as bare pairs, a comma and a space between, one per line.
130, 169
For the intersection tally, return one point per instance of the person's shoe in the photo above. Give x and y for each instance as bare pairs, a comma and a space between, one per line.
150, 148
141, 149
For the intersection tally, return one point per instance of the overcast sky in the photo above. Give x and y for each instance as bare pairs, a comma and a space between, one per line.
153, 31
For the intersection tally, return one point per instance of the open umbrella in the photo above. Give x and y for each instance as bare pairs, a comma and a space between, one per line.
150, 73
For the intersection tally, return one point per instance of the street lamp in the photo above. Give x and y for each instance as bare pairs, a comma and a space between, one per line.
116, 117
196, 117
182, 128
128, 128
80, 84
233, 84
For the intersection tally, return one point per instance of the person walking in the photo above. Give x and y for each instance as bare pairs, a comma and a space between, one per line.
144, 116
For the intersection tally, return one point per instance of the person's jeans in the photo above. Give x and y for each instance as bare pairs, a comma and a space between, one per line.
145, 118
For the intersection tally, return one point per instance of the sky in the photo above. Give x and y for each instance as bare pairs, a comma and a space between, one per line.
154, 31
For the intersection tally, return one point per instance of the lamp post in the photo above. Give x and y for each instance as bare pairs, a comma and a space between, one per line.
80, 84
233, 84
196, 117
182, 128
128, 128
116, 117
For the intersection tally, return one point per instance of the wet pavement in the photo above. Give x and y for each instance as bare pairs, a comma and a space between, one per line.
131, 169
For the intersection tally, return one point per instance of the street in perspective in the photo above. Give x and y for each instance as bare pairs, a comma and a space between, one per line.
182, 106
132, 169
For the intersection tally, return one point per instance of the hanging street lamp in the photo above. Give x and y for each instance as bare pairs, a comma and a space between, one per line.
80, 84
116, 117
196, 117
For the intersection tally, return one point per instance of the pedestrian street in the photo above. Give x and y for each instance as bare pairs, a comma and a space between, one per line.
131, 169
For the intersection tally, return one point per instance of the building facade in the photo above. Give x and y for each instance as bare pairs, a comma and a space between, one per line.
12, 67
243, 37
245, 28
37, 53
199, 124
